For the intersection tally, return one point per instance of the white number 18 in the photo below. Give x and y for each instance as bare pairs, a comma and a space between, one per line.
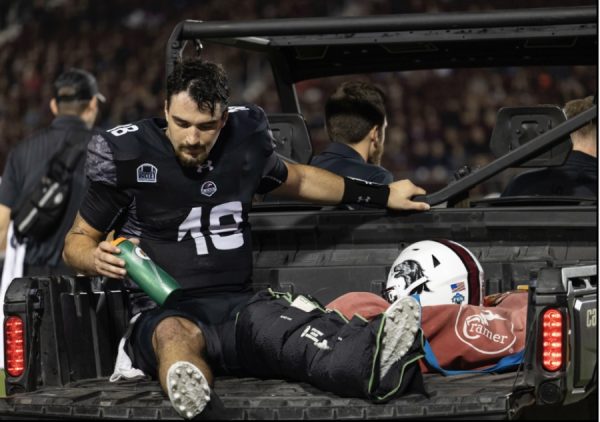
223, 237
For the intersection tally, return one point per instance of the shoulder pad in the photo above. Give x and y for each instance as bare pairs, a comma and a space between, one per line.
247, 118
128, 141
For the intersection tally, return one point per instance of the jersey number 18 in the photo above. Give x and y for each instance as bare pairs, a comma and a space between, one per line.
223, 237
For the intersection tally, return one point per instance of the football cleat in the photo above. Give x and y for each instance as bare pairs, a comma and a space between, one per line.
402, 321
188, 389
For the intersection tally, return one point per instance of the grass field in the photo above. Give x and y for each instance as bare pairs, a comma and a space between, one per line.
2, 389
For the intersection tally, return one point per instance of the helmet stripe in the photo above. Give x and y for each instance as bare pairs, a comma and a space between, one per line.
472, 270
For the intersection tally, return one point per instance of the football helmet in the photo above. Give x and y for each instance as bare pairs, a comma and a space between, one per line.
439, 271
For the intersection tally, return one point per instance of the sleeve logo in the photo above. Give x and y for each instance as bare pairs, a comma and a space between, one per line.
147, 173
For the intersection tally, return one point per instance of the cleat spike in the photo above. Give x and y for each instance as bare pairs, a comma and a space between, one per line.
398, 332
188, 389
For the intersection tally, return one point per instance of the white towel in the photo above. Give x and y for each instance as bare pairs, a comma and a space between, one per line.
13, 268
123, 366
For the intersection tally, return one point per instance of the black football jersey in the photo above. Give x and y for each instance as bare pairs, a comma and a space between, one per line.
192, 221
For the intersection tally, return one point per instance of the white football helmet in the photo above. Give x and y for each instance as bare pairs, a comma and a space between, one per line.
439, 271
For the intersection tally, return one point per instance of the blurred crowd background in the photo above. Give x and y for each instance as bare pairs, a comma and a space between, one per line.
438, 120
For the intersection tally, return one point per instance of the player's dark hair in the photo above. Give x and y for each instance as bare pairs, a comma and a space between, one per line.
204, 81
352, 111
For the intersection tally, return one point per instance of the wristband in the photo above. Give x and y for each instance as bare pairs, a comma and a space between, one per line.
358, 191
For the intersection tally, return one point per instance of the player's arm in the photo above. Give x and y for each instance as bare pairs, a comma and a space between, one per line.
4, 222
86, 248
317, 185
87, 251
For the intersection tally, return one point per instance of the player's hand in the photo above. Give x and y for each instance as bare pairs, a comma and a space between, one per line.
107, 263
400, 194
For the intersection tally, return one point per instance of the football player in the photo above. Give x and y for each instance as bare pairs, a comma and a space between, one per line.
183, 185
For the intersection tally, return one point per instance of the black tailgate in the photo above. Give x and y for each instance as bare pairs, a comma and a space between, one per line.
465, 396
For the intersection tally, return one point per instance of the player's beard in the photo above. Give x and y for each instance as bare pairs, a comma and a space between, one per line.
188, 160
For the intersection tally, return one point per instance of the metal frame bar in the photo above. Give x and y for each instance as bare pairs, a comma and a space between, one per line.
414, 22
411, 21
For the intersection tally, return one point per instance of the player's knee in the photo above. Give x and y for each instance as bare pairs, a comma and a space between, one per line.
176, 329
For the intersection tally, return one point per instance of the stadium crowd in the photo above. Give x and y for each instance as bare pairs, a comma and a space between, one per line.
439, 120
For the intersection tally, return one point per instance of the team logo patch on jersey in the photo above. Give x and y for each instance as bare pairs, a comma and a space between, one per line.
146, 173
208, 188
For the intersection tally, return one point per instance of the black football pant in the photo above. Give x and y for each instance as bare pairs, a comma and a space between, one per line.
280, 336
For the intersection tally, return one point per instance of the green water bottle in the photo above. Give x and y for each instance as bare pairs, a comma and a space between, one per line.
152, 279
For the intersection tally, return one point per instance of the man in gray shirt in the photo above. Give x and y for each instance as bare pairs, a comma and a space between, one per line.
75, 107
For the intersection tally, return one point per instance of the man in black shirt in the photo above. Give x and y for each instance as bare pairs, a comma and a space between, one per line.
183, 186
578, 176
75, 105
355, 119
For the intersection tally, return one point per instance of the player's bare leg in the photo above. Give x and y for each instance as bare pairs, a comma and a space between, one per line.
183, 373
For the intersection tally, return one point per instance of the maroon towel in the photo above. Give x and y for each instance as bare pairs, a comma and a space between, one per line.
461, 337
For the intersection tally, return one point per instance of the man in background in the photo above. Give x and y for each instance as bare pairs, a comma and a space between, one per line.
578, 176
355, 119
75, 107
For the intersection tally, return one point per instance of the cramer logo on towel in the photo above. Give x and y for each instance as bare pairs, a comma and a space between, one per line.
485, 331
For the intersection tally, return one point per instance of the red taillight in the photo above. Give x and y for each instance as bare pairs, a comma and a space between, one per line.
14, 344
552, 348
